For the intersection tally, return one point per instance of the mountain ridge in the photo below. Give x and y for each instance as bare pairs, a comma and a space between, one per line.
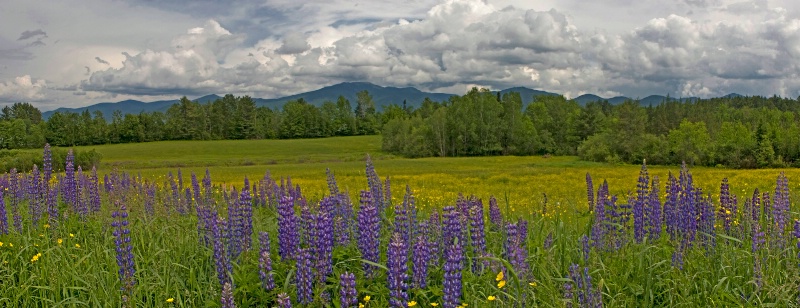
381, 95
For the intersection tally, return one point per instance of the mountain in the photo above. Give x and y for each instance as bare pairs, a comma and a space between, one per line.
129, 106
382, 96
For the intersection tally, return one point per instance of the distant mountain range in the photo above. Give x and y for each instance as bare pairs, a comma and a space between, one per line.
382, 96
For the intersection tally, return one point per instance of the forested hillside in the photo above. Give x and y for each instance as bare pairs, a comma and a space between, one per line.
735, 131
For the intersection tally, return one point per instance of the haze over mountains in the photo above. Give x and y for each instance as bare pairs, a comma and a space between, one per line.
382, 96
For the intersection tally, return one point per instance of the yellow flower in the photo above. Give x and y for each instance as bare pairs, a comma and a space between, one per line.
36, 257
533, 284
169, 300
71, 235
501, 284
366, 298
41, 235
500, 276
46, 226
59, 241
412, 304
491, 298
434, 304
463, 304
1, 244
77, 245
360, 305
10, 245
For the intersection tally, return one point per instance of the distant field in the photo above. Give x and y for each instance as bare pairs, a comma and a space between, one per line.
436, 181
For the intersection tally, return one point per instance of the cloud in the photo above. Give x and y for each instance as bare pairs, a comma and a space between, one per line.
22, 89
101, 61
293, 43
458, 43
30, 34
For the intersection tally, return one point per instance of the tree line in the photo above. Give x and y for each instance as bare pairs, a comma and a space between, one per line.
738, 132
22, 126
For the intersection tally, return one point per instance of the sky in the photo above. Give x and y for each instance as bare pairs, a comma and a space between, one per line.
72, 53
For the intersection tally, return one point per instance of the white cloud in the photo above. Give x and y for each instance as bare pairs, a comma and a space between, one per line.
22, 89
686, 48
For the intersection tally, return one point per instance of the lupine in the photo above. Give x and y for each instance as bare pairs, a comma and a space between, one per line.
434, 238
94, 191
494, 213
288, 237
548, 241
477, 231
654, 212
246, 213
303, 279
3, 215
452, 275
586, 248
81, 204
368, 231
323, 246
420, 258
598, 227
332, 187
726, 211
68, 188
284, 301
227, 296
47, 166
221, 261
587, 296
397, 274
642, 190
401, 219
590, 191
568, 294
52, 206
780, 209
265, 263
14, 193
124, 249
375, 185
348, 297
452, 228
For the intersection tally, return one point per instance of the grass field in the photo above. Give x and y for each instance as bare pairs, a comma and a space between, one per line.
523, 181
180, 249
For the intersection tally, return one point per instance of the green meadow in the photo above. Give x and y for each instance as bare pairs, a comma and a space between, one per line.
71, 261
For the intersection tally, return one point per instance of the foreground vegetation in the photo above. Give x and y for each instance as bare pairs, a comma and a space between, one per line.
185, 237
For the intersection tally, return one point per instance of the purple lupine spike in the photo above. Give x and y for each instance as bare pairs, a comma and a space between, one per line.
780, 209
401, 219
548, 241
435, 239
397, 274
94, 191
654, 212
368, 232
348, 297
150, 200
333, 188
196, 194
288, 237
586, 248
420, 258
375, 185
307, 221
234, 227
590, 190
3, 215
207, 189
452, 228
452, 275
284, 301
124, 249
477, 232
227, 296
68, 188
494, 213
599, 226
642, 191
707, 222
411, 210
36, 196
221, 261
14, 196
303, 280
323, 246
246, 213
568, 296
265, 263
47, 165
